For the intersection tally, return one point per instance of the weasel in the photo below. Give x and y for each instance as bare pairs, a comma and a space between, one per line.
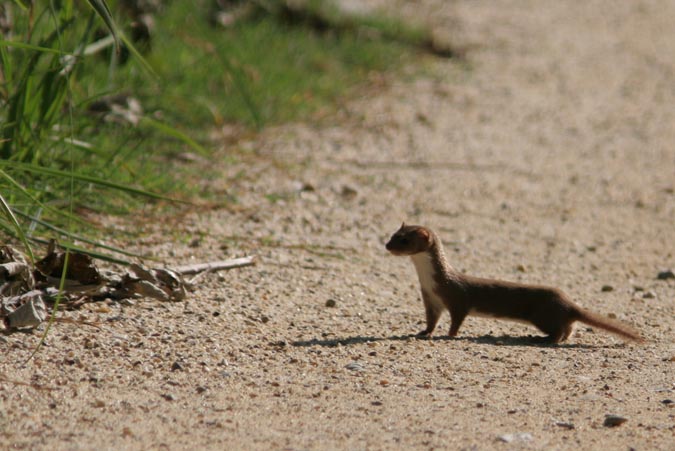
548, 309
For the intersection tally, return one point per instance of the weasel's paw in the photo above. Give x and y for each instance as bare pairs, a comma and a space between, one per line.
424, 333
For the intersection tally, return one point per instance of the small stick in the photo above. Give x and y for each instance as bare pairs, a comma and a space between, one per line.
216, 266
63, 319
25, 384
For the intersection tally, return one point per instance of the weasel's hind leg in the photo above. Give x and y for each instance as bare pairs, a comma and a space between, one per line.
561, 334
456, 320
554, 338
556, 331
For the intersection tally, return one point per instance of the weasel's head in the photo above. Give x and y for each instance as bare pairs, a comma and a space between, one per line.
410, 240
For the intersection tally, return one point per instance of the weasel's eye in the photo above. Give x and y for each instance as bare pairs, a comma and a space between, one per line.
403, 240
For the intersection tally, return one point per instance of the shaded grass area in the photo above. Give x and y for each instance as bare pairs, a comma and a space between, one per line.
62, 158
259, 71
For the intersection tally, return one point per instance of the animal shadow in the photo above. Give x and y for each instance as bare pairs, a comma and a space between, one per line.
504, 340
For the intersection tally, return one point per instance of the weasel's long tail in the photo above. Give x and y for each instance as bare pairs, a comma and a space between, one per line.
609, 325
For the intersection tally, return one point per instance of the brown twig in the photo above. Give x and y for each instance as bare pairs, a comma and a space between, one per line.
216, 266
4, 378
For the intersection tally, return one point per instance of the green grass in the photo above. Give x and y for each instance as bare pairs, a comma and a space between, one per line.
58, 159
261, 71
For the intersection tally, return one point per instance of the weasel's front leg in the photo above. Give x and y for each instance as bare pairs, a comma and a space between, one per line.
433, 313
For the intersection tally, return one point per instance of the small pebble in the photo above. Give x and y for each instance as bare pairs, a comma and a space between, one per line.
169, 396
607, 288
355, 366
667, 402
565, 425
515, 437
613, 420
348, 193
331, 303
176, 366
306, 186
94, 377
665, 275
649, 295
423, 118
195, 242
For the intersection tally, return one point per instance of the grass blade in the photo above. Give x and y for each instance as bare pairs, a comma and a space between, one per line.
37, 201
37, 48
134, 51
162, 127
97, 255
73, 236
7, 211
101, 8
87, 179
52, 317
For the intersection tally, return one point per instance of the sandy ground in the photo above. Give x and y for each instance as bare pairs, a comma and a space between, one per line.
548, 156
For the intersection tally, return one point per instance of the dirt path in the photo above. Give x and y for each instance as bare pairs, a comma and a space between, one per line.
548, 157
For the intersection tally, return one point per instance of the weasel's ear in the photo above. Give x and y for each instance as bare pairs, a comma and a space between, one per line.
403, 224
424, 233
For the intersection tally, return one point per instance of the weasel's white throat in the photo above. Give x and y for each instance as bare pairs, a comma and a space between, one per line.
426, 273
